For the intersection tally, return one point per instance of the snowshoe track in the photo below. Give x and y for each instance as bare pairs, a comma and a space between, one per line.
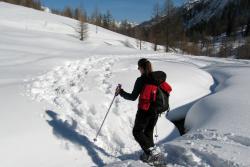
65, 89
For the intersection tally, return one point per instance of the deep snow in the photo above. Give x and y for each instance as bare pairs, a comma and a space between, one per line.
55, 90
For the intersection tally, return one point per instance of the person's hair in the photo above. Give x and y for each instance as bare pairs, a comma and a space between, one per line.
145, 65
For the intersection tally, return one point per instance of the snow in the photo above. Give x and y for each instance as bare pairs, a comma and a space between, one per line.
189, 4
55, 91
46, 9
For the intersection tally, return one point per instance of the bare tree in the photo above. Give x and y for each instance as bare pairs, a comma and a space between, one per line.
36, 4
155, 30
156, 11
153, 38
67, 12
168, 7
139, 37
96, 18
83, 27
224, 48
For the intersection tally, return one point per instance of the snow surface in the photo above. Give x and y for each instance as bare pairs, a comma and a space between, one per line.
55, 91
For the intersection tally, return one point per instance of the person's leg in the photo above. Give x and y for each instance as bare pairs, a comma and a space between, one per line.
149, 130
141, 122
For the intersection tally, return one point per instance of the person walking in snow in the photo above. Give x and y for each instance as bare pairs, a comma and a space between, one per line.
145, 121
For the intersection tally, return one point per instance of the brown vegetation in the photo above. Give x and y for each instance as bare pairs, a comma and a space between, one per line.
36, 4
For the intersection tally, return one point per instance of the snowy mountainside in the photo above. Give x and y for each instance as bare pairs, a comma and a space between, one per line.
132, 24
203, 10
34, 20
55, 91
198, 12
190, 3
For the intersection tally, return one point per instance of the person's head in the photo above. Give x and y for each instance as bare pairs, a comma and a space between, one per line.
144, 66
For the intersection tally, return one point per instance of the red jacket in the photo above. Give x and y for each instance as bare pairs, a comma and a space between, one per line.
148, 94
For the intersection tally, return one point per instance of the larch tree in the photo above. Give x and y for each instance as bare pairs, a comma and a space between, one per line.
168, 8
155, 30
83, 27
139, 37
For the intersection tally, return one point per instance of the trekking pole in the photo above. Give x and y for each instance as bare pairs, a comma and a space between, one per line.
97, 134
156, 132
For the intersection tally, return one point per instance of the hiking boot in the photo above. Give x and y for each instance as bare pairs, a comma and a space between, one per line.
154, 151
153, 154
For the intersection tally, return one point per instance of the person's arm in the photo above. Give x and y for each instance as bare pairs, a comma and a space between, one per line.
136, 91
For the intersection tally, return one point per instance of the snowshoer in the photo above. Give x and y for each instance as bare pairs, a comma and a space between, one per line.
146, 117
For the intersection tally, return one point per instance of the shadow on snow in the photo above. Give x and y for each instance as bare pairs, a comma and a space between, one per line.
62, 129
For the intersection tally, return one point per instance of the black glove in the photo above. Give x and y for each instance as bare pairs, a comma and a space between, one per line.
118, 89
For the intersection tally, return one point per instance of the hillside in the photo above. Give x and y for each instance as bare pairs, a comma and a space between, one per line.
209, 16
216, 28
197, 11
214, 17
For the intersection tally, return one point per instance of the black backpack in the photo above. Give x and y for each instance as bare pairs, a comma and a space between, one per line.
162, 102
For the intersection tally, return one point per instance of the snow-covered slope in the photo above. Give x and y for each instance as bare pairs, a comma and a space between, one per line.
55, 91
42, 59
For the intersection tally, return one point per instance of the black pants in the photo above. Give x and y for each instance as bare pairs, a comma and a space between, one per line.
144, 128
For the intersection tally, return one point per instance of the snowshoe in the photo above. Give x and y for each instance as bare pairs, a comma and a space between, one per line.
157, 161
155, 158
